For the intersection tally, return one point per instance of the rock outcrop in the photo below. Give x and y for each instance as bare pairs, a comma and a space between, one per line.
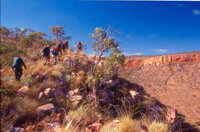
165, 59
23, 90
45, 108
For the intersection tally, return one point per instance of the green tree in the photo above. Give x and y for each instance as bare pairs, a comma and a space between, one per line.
103, 42
4, 31
33, 39
59, 32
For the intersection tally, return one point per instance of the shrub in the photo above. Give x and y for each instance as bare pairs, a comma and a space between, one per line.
70, 128
26, 105
9, 87
7, 119
128, 125
28, 80
109, 128
158, 127
84, 114
7, 53
5, 102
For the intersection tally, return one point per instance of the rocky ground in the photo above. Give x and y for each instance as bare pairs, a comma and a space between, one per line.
54, 98
176, 85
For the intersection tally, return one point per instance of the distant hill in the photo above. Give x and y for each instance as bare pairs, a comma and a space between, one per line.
138, 61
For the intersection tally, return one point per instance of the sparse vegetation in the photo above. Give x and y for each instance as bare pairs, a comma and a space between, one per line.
128, 125
26, 106
81, 89
158, 127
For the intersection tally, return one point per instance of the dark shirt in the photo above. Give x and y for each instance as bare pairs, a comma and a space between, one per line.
18, 63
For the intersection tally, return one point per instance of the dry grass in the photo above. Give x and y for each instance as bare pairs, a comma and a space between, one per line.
8, 119
84, 114
109, 128
158, 127
70, 128
128, 125
5, 102
26, 106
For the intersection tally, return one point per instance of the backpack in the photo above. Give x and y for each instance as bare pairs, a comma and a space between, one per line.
56, 49
16, 62
59, 46
45, 51
65, 44
54, 52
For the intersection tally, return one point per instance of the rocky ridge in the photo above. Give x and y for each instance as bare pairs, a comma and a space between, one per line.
164, 59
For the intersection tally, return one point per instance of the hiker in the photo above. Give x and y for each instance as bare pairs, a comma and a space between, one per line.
55, 54
59, 46
79, 46
65, 45
46, 54
17, 65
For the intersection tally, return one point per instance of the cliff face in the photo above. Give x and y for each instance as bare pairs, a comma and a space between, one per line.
165, 59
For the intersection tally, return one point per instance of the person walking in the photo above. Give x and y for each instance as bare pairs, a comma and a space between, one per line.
79, 46
65, 45
46, 54
55, 54
17, 65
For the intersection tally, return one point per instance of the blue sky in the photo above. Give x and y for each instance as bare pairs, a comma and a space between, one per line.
146, 28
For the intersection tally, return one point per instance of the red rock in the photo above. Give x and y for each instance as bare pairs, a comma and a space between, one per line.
48, 92
45, 108
88, 130
171, 114
41, 95
95, 127
165, 59
23, 90
133, 93
57, 93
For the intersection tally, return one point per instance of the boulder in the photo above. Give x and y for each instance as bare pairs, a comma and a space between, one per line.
73, 92
170, 115
95, 127
17, 129
75, 98
76, 90
45, 108
48, 92
133, 93
57, 93
55, 126
23, 90
41, 95
45, 75
40, 77
70, 93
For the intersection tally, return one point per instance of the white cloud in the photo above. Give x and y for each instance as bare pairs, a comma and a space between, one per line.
196, 12
129, 54
160, 50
